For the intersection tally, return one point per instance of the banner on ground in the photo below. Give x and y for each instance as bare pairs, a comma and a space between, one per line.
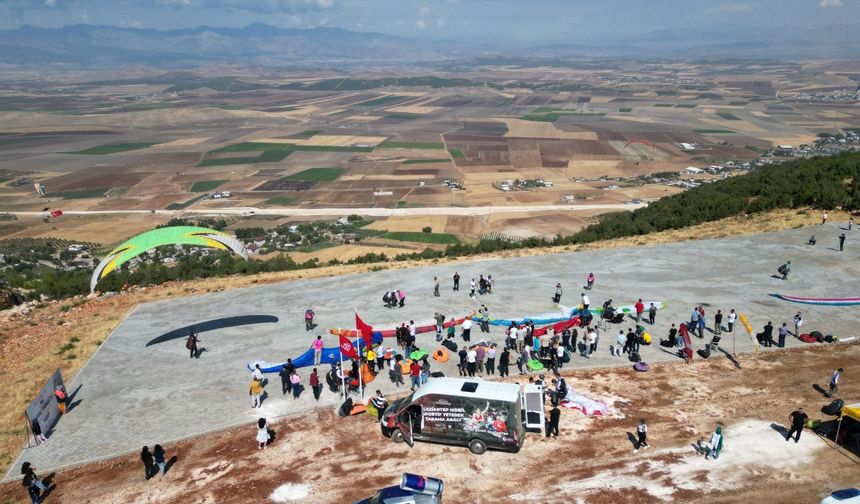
44, 406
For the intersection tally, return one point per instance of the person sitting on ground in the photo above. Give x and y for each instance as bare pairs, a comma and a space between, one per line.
784, 270
811, 240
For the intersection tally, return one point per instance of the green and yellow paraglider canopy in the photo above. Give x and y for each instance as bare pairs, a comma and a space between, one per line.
176, 235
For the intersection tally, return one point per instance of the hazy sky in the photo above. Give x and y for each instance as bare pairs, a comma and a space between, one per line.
523, 21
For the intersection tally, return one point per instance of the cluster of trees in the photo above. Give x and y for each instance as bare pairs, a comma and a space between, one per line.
821, 182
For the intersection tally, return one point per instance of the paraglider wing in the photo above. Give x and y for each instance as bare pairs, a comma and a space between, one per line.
176, 235
56, 213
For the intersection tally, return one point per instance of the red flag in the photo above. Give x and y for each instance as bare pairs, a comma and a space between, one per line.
364, 330
346, 347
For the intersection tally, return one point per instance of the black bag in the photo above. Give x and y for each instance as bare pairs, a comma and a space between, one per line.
345, 408
828, 338
833, 408
450, 345
437, 374
704, 353
781, 270
634, 356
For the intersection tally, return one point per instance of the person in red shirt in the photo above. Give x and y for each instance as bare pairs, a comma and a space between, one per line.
639, 309
415, 374
316, 388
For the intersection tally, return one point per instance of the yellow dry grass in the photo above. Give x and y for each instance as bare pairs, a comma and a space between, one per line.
413, 109
594, 168
342, 140
29, 347
182, 142
410, 223
347, 252
363, 118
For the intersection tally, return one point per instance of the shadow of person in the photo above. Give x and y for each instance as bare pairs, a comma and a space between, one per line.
820, 390
730, 357
783, 431
170, 463
633, 440
70, 400
263, 397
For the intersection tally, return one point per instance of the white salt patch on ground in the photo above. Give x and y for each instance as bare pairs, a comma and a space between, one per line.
290, 492
750, 448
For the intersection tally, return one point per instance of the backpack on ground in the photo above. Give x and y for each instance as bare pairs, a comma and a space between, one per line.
833, 408
704, 353
345, 408
450, 345
634, 356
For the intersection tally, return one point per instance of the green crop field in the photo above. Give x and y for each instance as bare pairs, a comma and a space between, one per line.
728, 116
307, 133
667, 93
410, 145
714, 131
456, 153
664, 104
206, 185
186, 204
549, 117
80, 194
317, 175
625, 109
422, 161
379, 101
417, 236
280, 201
113, 148
738, 103
686, 105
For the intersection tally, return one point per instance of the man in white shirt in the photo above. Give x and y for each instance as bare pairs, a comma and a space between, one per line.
731, 320
472, 361
257, 374
585, 301
472, 287
467, 329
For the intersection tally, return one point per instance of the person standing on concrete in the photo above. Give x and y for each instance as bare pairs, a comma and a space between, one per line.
456, 281
480, 353
694, 318
730, 321
589, 281
462, 354
558, 292
629, 340
504, 362
544, 345
620, 341
824, 218
425, 370
401, 295
489, 284
642, 434
841, 241
834, 382
590, 342
472, 287
491, 360
640, 308
148, 466
257, 373
585, 301
284, 373
783, 331
296, 384
850, 223
316, 387
440, 321
522, 362
471, 361
37, 432
798, 420
191, 344
415, 375
436, 286
652, 314
256, 393
318, 347
467, 329
798, 321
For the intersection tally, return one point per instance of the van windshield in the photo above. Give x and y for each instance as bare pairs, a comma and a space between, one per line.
400, 403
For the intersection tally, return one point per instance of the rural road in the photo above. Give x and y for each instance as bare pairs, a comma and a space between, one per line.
370, 211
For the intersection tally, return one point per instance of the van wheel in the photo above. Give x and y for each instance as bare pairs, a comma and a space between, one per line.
397, 436
476, 446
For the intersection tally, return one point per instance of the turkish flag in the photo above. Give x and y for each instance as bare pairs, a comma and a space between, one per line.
346, 348
364, 330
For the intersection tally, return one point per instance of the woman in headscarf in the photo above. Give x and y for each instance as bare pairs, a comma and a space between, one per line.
716, 444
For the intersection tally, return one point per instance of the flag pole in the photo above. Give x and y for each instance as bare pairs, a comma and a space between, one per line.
358, 341
342, 375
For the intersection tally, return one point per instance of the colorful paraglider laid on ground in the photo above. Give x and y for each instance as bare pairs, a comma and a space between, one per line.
176, 235
566, 313
847, 301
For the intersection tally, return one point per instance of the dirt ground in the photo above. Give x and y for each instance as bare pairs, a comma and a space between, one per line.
681, 403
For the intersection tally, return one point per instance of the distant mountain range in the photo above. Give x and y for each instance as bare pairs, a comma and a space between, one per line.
110, 46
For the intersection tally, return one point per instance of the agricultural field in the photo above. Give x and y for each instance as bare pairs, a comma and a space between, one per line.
440, 140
